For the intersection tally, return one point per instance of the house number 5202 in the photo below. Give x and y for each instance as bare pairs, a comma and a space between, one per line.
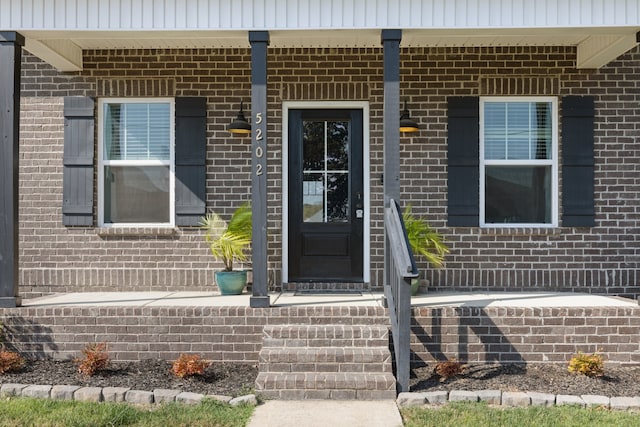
259, 151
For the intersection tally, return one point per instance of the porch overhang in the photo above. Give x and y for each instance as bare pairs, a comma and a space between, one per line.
596, 46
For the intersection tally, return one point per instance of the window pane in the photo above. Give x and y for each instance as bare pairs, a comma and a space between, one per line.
518, 194
495, 141
338, 146
137, 131
517, 130
136, 194
337, 197
313, 146
543, 133
313, 197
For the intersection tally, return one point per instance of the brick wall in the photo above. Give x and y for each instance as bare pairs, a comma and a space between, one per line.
223, 334
524, 335
234, 334
602, 259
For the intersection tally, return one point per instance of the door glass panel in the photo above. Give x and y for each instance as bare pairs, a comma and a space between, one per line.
313, 146
338, 146
313, 197
325, 189
338, 197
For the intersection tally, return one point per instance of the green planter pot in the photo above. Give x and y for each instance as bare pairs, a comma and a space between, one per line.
231, 282
415, 286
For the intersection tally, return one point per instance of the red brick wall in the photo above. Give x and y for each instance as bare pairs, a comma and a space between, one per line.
602, 259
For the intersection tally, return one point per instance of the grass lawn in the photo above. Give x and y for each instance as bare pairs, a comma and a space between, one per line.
481, 415
49, 413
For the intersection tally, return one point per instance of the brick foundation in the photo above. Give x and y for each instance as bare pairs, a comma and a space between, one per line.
235, 334
225, 334
524, 335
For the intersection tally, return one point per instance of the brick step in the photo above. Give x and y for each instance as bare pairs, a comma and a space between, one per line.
326, 385
325, 359
325, 336
326, 362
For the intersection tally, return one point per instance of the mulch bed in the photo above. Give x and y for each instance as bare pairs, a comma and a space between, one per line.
544, 378
231, 379
235, 379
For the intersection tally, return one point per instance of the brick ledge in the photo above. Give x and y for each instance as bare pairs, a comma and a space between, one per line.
168, 232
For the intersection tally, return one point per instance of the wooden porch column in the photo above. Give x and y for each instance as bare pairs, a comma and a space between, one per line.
10, 58
391, 124
259, 41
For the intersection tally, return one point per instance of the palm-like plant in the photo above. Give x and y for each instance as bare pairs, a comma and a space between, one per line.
423, 239
229, 242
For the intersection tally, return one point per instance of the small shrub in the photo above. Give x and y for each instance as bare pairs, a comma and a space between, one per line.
449, 369
591, 365
10, 361
189, 365
96, 358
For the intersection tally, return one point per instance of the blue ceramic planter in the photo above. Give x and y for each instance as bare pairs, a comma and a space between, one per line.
231, 282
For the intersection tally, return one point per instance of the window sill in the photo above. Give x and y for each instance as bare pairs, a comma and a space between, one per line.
520, 231
167, 232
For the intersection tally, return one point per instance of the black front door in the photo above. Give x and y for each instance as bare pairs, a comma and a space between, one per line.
326, 198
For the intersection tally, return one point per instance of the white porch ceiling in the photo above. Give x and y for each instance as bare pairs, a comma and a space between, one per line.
596, 46
59, 30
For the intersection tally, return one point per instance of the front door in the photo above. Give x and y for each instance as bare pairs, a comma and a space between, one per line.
326, 197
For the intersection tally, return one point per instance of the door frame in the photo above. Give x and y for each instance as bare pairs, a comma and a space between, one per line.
327, 105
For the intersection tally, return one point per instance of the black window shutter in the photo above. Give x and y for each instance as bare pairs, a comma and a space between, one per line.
463, 121
577, 161
191, 142
78, 168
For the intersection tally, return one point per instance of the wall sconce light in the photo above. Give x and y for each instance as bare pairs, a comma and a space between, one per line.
407, 124
240, 125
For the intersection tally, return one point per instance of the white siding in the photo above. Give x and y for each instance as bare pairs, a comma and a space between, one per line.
313, 14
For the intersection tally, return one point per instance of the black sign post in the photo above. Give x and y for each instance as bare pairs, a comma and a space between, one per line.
391, 124
259, 41
10, 60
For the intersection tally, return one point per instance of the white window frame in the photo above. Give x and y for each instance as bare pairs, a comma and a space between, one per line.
553, 162
102, 162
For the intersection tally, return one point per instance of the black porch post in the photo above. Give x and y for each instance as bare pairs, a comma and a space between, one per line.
391, 124
259, 41
10, 57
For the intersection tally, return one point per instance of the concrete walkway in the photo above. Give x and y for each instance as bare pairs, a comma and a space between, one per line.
325, 413
284, 299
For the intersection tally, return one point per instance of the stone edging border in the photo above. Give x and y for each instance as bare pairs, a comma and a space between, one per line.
516, 399
404, 400
116, 394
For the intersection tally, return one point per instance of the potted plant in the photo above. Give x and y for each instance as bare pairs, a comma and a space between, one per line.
424, 241
228, 242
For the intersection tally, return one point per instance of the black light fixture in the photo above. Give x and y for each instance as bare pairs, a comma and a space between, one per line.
407, 124
240, 125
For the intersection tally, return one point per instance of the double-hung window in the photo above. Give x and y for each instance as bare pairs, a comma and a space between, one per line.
518, 162
136, 162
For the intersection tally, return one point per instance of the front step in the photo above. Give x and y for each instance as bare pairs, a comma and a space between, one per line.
326, 362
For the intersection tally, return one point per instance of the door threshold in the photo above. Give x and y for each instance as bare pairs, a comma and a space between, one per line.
326, 292
326, 288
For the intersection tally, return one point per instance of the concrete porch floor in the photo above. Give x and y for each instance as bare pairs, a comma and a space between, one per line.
288, 299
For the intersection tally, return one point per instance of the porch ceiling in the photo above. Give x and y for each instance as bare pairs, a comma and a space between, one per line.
596, 46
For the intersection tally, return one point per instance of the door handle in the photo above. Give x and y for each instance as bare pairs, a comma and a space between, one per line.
359, 206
